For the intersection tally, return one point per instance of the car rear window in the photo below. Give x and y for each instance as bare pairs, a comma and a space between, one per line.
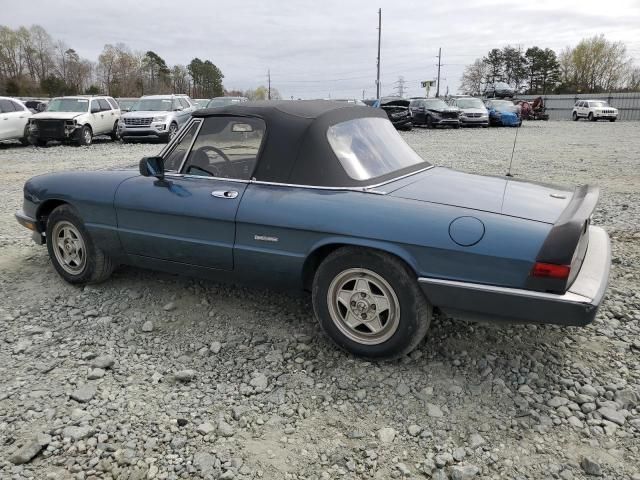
369, 148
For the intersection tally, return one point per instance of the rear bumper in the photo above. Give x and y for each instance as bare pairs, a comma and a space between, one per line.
578, 306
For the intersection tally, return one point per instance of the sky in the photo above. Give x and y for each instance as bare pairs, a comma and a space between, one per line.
328, 48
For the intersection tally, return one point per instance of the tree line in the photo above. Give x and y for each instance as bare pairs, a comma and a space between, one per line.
32, 63
594, 65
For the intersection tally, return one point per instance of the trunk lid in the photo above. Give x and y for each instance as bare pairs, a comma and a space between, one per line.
532, 201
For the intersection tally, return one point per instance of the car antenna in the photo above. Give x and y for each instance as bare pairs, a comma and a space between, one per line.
508, 174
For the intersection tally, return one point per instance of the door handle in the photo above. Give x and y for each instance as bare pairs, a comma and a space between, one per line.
224, 194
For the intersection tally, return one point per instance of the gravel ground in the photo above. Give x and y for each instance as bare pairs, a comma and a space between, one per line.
155, 376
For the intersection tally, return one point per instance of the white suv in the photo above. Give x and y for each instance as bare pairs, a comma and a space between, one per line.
594, 110
75, 119
159, 116
14, 116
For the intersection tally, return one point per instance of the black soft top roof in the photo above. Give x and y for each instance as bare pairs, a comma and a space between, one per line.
296, 149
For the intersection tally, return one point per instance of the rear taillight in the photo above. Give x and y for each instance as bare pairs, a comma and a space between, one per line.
549, 270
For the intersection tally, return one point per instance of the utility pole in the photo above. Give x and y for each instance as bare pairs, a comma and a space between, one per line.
439, 64
378, 64
269, 82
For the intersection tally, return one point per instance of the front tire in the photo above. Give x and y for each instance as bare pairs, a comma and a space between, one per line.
86, 136
574, 116
429, 122
591, 118
173, 130
612, 120
369, 303
72, 251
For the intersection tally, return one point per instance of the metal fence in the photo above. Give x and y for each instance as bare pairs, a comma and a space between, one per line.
559, 107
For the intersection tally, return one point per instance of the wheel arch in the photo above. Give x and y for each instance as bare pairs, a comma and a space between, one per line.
45, 209
323, 249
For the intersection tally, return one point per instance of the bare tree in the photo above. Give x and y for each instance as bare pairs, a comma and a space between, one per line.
473, 78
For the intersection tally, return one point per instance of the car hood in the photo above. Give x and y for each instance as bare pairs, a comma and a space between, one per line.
57, 115
395, 103
446, 109
474, 110
532, 201
144, 114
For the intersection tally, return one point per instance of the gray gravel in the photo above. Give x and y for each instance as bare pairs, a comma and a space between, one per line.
155, 376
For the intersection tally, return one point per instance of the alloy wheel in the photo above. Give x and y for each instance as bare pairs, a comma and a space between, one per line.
363, 306
69, 247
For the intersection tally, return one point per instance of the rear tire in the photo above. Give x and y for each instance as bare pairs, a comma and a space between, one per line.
115, 133
369, 303
72, 251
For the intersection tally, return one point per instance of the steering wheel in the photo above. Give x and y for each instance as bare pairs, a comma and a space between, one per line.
217, 151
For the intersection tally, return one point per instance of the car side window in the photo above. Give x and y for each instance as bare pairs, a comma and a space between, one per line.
184, 103
93, 105
173, 160
17, 107
226, 147
104, 105
6, 106
113, 103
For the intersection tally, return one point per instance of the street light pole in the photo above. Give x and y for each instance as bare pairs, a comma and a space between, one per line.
378, 63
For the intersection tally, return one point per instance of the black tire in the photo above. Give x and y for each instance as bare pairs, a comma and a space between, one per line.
97, 266
124, 140
25, 138
36, 142
173, 130
429, 122
612, 120
115, 134
407, 128
456, 126
407, 329
590, 117
574, 116
85, 138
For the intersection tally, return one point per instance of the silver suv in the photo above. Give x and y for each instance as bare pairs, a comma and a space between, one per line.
158, 116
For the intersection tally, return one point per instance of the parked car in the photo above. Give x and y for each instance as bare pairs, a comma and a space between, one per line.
126, 103
434, 112
397, 110
594, 110
499, 90
156, 116
75, 119
36, 105
334, 201
14, 117
503, 113
473, 113
224, 101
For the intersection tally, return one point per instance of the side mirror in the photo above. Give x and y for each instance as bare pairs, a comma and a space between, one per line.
95, 110
152, 167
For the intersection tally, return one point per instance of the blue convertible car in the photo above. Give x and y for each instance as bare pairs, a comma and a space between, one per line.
327, 197
503, 113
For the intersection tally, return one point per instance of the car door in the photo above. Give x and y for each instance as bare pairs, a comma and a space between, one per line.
108, 116
189, 218
6, 111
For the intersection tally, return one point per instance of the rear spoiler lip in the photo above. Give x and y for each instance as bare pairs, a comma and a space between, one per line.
561, 242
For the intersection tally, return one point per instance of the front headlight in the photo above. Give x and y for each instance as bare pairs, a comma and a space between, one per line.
160, 118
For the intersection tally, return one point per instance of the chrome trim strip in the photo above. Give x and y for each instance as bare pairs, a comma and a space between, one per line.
401, 177
202, 177
314, 187
568, 297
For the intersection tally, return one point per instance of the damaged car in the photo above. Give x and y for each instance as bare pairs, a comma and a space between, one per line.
327, 197
397, 110
75, 120
434, 112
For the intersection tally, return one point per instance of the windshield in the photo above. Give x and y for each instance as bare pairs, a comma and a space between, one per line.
371, 147
126, 103
221, 102
469, 103
504, 106
599, 104
68, 105
152, 105
436, 103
